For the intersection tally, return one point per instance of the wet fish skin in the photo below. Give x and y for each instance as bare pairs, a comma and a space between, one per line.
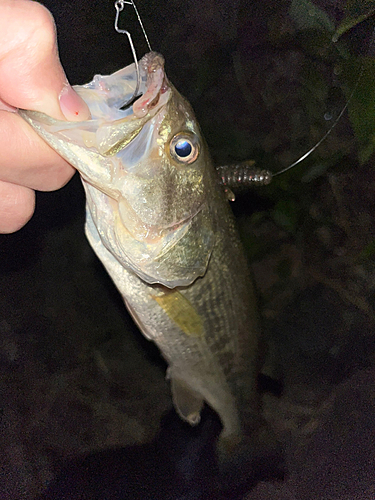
165, 233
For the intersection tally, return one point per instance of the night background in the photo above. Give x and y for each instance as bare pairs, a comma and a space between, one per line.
266, 83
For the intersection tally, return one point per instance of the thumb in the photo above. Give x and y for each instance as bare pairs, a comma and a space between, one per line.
31, 76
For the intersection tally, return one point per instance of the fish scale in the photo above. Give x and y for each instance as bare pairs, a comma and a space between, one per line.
173, 251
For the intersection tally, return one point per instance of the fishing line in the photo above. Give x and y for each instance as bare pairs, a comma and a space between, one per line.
235, 175
303, 157
119, 6
243, 175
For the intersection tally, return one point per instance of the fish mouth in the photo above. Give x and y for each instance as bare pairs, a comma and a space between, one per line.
170, 247
152, 64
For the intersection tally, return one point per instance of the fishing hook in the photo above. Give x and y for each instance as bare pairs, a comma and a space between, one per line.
119, 6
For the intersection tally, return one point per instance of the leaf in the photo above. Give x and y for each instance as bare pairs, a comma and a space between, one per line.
306, 15
362, 103
356, 11
368, 252
316, 170
286, 215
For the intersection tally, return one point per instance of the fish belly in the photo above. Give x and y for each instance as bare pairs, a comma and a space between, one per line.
207, 332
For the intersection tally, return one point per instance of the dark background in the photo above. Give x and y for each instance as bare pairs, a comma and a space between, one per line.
266, 83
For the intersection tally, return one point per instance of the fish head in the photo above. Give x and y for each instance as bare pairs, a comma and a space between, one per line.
146, 170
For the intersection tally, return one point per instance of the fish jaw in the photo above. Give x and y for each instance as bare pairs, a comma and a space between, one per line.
173, 260
156, 208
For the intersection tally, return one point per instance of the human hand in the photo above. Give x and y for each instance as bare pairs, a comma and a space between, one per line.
31, 77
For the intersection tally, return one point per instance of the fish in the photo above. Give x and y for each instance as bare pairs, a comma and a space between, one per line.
160, 222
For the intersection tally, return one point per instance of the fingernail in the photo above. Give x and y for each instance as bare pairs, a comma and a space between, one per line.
73, 107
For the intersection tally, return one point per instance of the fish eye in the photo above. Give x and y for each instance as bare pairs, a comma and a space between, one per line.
184, 147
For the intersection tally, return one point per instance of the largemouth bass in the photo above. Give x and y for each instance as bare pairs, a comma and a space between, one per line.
161, 224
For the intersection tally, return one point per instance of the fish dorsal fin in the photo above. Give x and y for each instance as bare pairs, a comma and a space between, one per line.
187, 402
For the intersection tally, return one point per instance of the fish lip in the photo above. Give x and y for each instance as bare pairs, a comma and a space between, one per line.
152, 64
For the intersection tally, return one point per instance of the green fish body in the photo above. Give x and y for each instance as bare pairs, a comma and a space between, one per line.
161, 224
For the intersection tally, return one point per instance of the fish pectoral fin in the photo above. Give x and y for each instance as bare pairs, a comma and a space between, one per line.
187, 402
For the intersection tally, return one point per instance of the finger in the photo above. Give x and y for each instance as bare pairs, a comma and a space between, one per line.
17, 205
26, 159
7, 107
31, 76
